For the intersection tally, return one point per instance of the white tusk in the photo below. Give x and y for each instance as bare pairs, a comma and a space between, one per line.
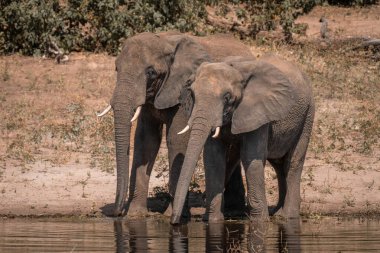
185, 129
104, 112
217, 131
137, 113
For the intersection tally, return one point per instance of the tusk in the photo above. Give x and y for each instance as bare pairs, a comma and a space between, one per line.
137, 113
185, 129
217, 131
104, 112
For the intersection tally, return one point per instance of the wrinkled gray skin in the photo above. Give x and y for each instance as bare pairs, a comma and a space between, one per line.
151, 71
265, 110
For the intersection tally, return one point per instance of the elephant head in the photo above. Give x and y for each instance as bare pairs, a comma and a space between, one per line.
241, 94
150, 69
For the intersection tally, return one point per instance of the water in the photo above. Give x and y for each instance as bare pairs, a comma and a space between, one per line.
152, 235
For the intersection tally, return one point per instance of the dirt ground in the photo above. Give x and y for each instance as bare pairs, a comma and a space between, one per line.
57, 158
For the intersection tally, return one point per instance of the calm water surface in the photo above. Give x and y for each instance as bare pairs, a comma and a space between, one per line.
107, 235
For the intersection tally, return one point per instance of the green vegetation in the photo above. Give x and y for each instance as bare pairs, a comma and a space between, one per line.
31, 26
28, 26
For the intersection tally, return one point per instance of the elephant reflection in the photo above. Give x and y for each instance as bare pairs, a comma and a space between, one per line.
140, 236
289, 236
253, 237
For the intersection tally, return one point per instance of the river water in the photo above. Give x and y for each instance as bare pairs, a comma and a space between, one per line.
156, 235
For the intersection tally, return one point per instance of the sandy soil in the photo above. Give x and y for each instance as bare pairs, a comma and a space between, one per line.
44, 175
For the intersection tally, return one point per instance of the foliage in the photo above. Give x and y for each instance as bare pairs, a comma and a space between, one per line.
261, 15
28, 26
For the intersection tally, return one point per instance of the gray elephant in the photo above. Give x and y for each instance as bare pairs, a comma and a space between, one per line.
151, 71
260, 110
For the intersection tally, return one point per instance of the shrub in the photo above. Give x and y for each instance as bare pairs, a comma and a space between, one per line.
28, 26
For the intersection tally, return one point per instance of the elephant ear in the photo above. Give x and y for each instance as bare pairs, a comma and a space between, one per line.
188, 55
268, 96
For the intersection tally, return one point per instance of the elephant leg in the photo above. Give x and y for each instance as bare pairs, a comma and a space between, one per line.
292, 204
281, 166
234, 193
214, 157
146, 145
253, 155
177, 145
292, 201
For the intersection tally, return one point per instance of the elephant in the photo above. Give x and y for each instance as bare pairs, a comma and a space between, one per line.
151, 71
260, 110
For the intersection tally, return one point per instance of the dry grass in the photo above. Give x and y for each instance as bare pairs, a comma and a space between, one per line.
49, 111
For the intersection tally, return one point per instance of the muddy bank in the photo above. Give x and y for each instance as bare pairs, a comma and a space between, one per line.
72, 190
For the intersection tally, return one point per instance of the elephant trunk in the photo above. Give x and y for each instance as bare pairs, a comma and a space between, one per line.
198, 136
122, 123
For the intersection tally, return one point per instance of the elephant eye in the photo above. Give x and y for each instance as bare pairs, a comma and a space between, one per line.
151, 73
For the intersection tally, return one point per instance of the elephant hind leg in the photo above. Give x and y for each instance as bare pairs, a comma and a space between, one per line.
296, 158
288, 170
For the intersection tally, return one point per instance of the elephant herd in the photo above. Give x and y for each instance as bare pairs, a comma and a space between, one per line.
213, 95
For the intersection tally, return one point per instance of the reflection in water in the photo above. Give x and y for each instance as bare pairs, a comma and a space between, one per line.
179, 240
256, 236
289, 236
152, 235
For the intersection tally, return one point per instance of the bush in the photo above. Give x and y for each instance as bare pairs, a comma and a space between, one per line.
265, 15
27, 26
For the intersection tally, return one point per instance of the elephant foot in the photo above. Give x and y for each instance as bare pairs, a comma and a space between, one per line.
186, 214
137, 211
283, 213
259, 215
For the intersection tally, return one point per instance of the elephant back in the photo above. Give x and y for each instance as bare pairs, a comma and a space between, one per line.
298, 79
220, 46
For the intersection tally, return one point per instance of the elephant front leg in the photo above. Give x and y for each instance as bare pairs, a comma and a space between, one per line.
146, 145
214, 156
234, 193
253, 154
